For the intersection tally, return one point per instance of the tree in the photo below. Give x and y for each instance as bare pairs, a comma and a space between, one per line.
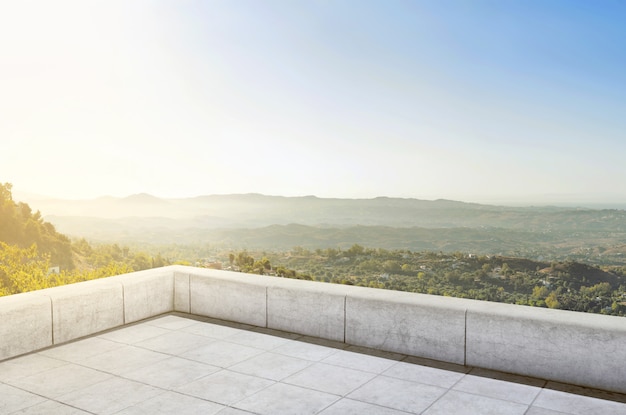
505, 269
261, 266
22, 269
552, 301
540, 293
355, 250
20, 226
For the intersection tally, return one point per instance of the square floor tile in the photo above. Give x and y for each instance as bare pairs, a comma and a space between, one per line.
359, 361
329, 378
61, 380
222, 354
110, 396
352, 407
271, 366
233, 411
469, 404
171, 322
24, 366
174, 342
172, 403
303, 350
258, 340
398, 394
214, 331
82, 349
225, 387
281, 399
13, 399
123, 360
498, 389
171, 372
134, 333
423, 374
577, 404
533, 410
594, 393
50, 408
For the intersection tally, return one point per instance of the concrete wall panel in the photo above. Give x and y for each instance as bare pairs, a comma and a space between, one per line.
182, 294
578, 348
413, 324
312, 309
85, 308
25, 324
147, 293
229, 296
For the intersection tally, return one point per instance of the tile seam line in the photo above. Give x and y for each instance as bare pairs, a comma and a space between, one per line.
541, 389
490, 397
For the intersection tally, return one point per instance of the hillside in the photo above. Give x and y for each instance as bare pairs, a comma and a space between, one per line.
565, 285
33, 255
276, 222
21, 227
456, 261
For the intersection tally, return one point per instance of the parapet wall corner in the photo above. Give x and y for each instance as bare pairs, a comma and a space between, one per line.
182, 292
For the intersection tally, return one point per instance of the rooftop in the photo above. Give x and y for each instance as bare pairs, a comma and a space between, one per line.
185, 364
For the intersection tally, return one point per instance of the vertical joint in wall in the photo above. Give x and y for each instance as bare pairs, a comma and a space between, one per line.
465, 341
189, 291
345, 320
51, 320
123, 305
266, 308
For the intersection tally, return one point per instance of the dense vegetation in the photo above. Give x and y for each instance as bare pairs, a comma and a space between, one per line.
565, 285
21, 227
33, 255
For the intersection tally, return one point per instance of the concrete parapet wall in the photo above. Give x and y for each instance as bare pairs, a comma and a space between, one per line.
408, 323
25, 324
577, 348
146, 293
182, 293
228, 296
308, 308
85, 308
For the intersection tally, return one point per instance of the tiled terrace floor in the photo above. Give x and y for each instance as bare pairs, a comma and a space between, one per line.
178, 365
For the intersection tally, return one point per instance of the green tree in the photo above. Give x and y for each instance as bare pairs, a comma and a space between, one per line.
552, 301
355, 250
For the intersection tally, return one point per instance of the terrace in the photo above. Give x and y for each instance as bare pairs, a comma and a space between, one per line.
188, 340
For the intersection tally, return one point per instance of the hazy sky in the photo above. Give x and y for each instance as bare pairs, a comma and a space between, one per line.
467, 100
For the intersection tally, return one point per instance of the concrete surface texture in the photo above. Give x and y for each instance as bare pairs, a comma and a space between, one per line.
182, 364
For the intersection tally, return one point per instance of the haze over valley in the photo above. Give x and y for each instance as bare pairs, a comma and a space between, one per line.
254, 221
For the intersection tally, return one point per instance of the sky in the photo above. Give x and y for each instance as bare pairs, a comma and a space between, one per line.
466, 100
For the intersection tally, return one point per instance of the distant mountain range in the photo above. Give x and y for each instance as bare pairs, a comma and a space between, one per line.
276, 222
255, 210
